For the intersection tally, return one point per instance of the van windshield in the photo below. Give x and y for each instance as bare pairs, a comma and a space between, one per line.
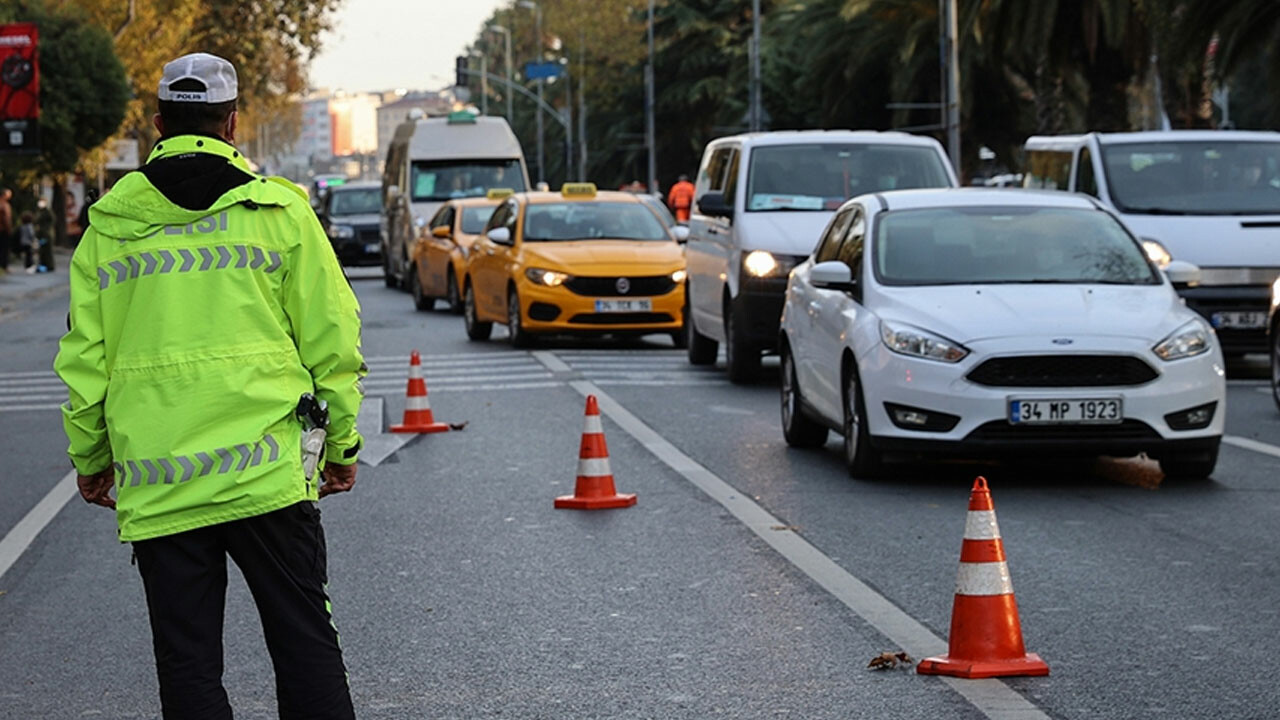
988, 245
821, 176
1194, 178
449, 179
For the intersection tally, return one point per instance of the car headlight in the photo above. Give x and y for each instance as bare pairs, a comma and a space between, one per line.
1275, 293
765, 264
1187, 341
341, 232
1157, 253
678, 276
550, 278
908, 340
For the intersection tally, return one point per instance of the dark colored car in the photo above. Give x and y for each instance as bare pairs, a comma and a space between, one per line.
350, 215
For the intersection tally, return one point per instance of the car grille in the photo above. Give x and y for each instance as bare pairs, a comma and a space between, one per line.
608, 286
368, 235
1000, 431
633, 318
1063, 371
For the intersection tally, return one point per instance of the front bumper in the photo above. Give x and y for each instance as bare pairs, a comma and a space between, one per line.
983, 429
1208, 300
363, 249
758, 309
555, 310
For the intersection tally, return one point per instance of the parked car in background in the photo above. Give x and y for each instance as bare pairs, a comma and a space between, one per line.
1208, 197
350, 215
985, 323
762, 201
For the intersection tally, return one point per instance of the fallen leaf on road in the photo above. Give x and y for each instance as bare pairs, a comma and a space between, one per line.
886, 660
459, 426
792, 528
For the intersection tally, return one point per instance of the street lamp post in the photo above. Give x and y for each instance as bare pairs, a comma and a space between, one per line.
537, 14
510, 95
649, 135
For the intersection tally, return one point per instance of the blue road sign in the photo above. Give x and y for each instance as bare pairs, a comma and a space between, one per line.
538, 71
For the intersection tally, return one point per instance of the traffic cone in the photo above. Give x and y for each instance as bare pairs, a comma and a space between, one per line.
594, 489
986, 635
417, 409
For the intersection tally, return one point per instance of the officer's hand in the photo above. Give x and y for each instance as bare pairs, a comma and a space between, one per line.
338, 478
96, 488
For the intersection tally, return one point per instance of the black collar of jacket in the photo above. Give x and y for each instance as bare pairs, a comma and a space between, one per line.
195, 180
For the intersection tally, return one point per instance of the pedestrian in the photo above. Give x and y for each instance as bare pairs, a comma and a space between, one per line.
27, 242
44, 236
680, 199
6, 227
207, 299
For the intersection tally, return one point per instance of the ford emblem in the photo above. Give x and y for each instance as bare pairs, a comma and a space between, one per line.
1062, 341
623, 285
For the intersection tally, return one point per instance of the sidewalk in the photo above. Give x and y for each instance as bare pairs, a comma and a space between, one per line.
17, 287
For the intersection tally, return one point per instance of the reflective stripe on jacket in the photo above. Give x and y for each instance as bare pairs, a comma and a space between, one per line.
192, 335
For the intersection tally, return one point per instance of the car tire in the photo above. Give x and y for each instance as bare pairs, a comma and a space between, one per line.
799, 429
702, 349
420, 300
1189, 466
862, 460
476, 330
742, 360
452, 297
520, 338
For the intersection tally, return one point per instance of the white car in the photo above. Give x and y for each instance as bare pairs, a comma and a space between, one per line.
985, 323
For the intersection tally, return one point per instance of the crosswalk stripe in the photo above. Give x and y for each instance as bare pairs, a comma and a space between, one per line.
7, 389
27, 408
30, 374
392, 383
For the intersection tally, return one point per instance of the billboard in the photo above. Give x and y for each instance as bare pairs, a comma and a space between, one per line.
19, 88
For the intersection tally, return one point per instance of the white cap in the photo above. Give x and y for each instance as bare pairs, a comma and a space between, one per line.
216, 74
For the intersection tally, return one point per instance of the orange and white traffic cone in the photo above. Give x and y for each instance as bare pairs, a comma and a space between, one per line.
417, 409
986, 635
594, 489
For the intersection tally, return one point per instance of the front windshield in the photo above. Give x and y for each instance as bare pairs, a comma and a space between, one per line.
446, 180
660, 210
474, 219
1194, 178
356, 202
821, 176
980, 245
591, 221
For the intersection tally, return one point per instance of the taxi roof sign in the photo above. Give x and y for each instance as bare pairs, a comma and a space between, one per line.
578, 190
499, 193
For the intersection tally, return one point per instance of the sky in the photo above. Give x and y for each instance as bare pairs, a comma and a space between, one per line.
388, 44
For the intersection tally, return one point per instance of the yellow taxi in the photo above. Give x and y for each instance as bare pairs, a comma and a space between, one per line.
574, 262
440, 252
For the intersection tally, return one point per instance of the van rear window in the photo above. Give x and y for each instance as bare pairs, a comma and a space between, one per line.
450, 179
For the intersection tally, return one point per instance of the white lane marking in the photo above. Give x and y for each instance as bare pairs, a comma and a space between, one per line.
433, 382
33, 398
26, 408
460, 357
1254, 445
497, 386
29, 374
661, 383
52, 383
549, 359
24, 533
404, 364
454, 372
993, 698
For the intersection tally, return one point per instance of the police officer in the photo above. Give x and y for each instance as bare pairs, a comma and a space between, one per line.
205, 303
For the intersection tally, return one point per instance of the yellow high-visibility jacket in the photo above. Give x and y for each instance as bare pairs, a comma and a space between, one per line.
205, 300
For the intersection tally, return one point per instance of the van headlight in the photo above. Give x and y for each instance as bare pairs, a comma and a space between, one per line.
759, 263
1187, 341
908, 340
1157, 252
549, 278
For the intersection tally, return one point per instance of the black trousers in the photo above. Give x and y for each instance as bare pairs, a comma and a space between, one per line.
282, 557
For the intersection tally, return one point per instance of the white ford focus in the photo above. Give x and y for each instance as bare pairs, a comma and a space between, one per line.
984, 323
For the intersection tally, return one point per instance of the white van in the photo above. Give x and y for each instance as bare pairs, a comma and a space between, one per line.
431, 160
762, 201
1207, 197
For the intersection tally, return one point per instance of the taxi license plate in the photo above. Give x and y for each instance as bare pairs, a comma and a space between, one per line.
1089, 411
621, 306
1239, 320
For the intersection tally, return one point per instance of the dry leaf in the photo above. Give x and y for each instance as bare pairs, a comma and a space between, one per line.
887, 660
459, 426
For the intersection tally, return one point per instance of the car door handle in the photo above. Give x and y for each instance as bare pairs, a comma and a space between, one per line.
715, 230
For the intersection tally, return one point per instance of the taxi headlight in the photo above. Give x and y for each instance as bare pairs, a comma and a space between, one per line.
550, 278
1187, 341
1157, 253
341, 232
678, 276
908, 340
765, 264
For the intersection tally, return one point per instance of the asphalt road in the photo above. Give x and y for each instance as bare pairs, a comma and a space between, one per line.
750, 580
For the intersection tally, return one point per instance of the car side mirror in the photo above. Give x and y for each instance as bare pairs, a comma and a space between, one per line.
500, 235
441, 231
832, 275
681, 232
1182, 273
713, 204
